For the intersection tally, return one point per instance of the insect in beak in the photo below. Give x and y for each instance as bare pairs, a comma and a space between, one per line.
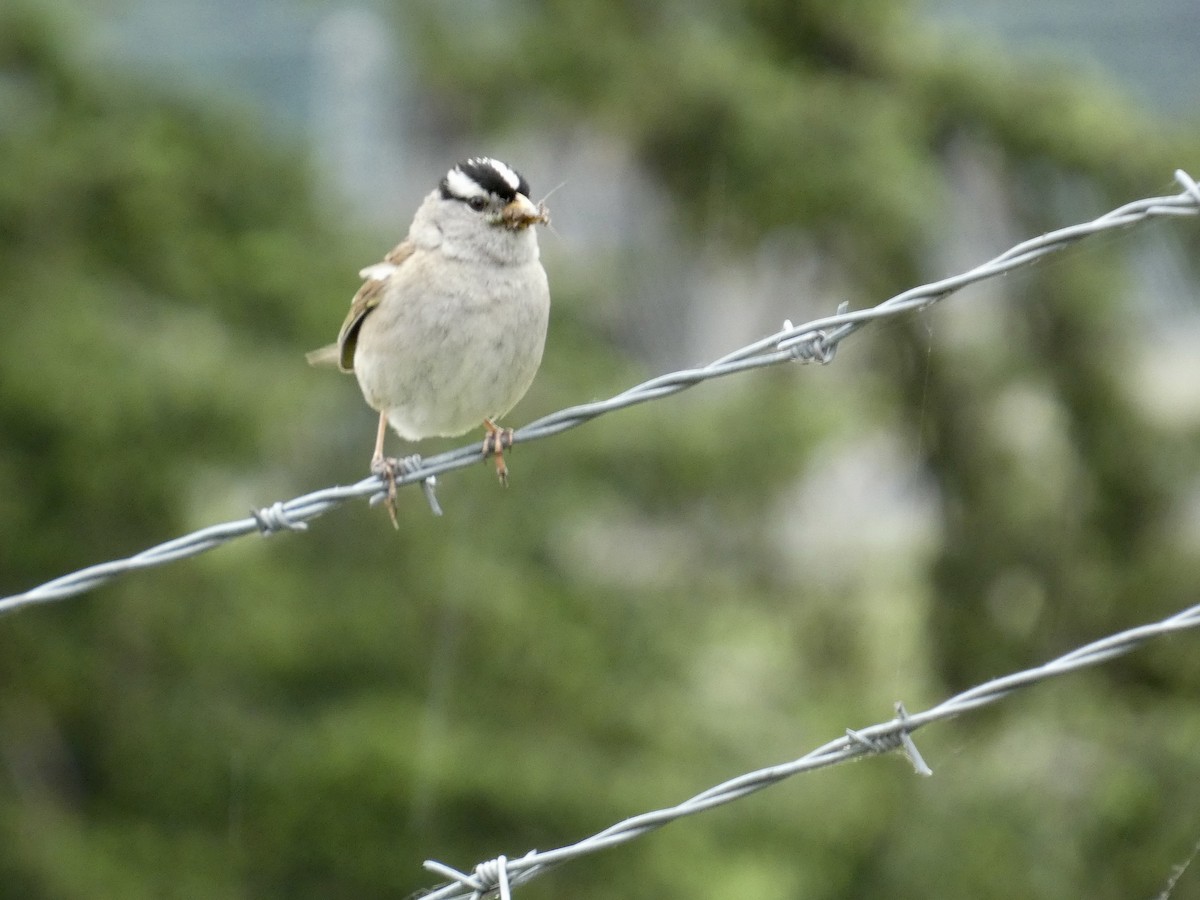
521, 213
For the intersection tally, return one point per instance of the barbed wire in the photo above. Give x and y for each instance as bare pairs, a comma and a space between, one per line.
497, 876
816, 340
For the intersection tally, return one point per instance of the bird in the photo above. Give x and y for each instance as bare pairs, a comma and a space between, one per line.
447, 332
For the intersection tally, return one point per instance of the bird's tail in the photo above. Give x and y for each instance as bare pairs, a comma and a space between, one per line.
329, 355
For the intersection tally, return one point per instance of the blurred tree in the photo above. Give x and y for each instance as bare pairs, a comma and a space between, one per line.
842, 119
314, 715
158, 266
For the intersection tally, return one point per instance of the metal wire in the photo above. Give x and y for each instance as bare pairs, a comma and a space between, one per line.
881, 738
816, 340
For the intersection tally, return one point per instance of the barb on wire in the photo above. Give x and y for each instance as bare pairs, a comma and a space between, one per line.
490, 877
816, 340
875, 740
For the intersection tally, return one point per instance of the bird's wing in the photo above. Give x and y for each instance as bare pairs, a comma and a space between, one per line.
375, 278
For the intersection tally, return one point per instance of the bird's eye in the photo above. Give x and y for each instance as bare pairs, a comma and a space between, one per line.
477, 203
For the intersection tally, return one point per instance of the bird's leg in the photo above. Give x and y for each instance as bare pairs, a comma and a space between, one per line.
495, 442
377, 459
388, 469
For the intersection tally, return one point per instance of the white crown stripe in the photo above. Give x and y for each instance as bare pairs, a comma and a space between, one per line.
463, 185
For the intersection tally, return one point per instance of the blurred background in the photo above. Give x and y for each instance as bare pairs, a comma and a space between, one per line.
664, 598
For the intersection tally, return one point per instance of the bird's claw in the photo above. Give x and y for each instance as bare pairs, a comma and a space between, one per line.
389, 469
495, 442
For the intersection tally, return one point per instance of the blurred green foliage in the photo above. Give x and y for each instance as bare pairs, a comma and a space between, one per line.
311, 716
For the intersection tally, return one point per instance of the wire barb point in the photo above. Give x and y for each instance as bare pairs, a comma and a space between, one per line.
490, 878
906, 742
1185, 180
493, 876
429, 486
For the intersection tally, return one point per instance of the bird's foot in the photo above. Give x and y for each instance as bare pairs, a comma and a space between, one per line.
389, 468
495, 442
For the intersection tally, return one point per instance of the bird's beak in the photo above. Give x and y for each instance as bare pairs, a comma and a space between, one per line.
521, 213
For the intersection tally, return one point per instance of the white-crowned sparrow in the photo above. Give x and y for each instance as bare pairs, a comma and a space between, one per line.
447, 332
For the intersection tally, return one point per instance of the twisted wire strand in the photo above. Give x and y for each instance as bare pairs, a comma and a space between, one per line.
883, 737
816, 340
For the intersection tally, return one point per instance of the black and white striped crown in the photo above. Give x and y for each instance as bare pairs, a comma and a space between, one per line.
481, 176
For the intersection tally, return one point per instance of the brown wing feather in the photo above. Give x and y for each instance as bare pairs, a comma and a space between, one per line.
365, 300
399, 253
